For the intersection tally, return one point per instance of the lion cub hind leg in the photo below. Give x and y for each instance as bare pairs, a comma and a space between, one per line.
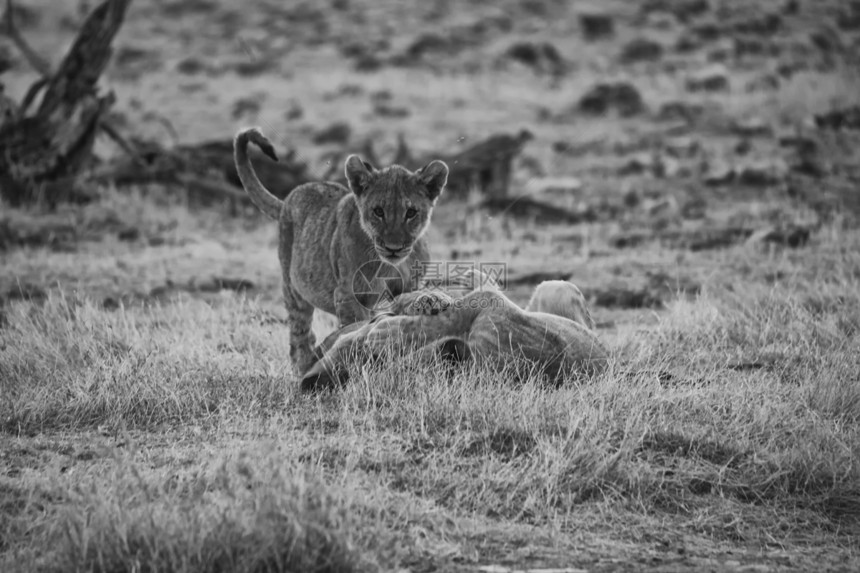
302, 339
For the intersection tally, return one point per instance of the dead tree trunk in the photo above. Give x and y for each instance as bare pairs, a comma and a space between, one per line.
42, 154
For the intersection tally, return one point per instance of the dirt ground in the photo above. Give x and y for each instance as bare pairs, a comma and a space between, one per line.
712, 148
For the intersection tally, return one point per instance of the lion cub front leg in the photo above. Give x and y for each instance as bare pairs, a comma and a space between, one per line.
302, 339
347, 306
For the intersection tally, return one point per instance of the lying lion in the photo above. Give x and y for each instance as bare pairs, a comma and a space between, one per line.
483, 325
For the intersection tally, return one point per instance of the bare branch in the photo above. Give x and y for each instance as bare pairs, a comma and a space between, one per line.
117, 138
9, 29
32, 92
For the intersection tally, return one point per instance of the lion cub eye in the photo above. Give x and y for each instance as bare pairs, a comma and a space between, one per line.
379, 212
410, 213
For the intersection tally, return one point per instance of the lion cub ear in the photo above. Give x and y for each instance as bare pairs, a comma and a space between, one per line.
433, 176
357, 173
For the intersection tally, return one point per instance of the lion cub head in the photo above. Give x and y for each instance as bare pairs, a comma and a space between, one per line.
395, 204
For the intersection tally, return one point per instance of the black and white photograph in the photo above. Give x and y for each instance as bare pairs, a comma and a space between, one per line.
416, 286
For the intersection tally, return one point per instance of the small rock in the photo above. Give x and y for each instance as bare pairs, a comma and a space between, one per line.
428, 43
191, 66
763, 83
381, 96
129, 234
238, 285
367, 63
656, 207
555, 185
827, 40
245, 106
808, 165
26, 291
839, 119
687, 43
849, 17
765, 25
632, 198
792, 236
531, 166
596, 26
661, 21
541, 56
752, 127
744, 47
620, 295
667, 167
720, 174
641, 50
638, 164
391, 111
683, 147
800, 143
721, 54
743, 147
762, 173
683, 10
622, 97
254, 67
707, 31
338, 132
294, 111
711, 79
679, 110
787, 70
694, 208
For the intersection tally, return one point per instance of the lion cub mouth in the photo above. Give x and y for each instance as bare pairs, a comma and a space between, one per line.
394, 257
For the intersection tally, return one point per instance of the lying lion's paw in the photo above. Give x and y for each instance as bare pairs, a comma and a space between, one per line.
426, 303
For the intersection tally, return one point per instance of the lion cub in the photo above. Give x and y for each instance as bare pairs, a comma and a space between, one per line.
332, 242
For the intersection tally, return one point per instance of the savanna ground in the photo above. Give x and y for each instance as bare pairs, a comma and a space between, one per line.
150, 422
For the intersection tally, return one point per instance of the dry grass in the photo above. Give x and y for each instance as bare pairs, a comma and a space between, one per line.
148, 420
733, 419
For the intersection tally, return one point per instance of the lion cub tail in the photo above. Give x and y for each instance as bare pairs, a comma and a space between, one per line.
260, 196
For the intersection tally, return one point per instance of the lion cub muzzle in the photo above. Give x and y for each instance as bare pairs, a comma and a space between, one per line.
394, 254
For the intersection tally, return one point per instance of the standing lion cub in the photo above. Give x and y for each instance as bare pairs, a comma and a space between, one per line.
327, 235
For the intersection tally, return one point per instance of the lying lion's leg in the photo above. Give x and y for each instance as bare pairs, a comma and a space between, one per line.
451, 350
411, 332
562, 298
330, 369
557, 344
427, 301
